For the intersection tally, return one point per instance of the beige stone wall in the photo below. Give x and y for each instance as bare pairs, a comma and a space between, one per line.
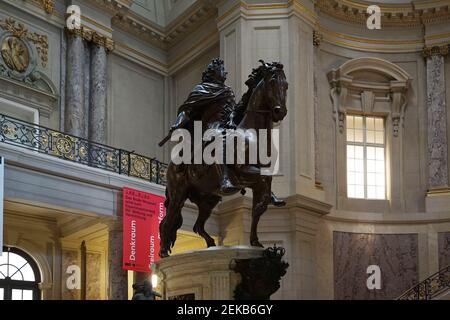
189, 76
135, 107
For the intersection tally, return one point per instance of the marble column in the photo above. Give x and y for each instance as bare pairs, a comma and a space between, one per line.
118, 280
437, 123
97, 110
75, 115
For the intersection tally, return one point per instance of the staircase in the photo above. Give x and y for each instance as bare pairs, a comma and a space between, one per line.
435, 287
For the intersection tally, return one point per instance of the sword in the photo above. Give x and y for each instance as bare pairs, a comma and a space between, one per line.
167, 138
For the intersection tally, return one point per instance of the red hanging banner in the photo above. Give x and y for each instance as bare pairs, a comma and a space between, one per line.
142, 214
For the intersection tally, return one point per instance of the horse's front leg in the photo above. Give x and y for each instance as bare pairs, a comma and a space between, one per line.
261, 199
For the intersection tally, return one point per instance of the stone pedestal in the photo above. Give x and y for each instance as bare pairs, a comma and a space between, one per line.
203, 274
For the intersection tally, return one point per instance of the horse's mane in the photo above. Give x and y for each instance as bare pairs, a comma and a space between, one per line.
254, 79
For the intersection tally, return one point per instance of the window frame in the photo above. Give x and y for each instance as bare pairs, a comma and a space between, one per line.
8, 284
364, 144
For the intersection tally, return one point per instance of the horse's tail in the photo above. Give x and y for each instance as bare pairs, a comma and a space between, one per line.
166, 202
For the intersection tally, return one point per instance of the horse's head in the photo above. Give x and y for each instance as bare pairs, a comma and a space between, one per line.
275, 90
268, 87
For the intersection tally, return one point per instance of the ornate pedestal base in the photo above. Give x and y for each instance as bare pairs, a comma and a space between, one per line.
203, 274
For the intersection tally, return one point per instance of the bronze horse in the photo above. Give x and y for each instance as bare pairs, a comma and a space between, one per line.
265, 104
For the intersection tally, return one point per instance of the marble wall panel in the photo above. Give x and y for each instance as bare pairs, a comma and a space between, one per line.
395, 254
69, 257
444, 249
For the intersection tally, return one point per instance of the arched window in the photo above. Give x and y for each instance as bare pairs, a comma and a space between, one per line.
19, 276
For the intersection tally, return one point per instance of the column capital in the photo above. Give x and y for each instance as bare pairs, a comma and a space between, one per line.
317, 38
441, 50
92, 36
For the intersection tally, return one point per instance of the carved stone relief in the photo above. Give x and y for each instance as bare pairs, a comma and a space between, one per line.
21, 53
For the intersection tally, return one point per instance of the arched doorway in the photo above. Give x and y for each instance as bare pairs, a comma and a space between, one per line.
19, 276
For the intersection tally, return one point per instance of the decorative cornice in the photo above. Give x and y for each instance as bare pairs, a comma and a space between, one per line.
392, 15
93, 36
441, 50
167, 37
113, 6
273, 10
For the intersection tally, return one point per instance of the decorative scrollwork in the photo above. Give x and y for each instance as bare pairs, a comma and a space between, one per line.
51, 142
19, 31
430, 288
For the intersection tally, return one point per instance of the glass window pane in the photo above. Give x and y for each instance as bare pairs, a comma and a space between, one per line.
359, 152
15, 273
350, 165
370, 137
359, 178
358, 123
16, 294
16, 260
350, 135
28, 274
27, 295
370, 123
350, 177
3, 259
371, 166
359, 165
379, 137
371, 153
3, 271
359, 192
381, 193
371, 180
379, 124
365, 164
351, 152
371, 192
380, 153
350, 122
380, 167
380, 179
359, 136
351, 191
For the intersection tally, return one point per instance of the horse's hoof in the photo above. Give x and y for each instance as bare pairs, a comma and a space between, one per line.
211, 244
163, 254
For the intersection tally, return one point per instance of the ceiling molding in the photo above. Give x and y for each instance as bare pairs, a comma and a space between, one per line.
166, 37
268, 10
409, 15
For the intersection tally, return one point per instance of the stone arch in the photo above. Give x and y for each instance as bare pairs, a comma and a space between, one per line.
394, 86
387, 68
35, 251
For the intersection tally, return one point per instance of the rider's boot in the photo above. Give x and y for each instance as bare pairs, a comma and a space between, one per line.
227, 186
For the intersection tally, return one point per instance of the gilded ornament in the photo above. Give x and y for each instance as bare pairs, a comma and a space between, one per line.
48, 5
441, 50
94, 37
15, 54
317, 38
19, 31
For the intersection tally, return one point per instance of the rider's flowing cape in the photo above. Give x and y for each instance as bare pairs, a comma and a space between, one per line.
205, 94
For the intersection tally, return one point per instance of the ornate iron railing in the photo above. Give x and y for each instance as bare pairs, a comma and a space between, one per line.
68, 147
429, 288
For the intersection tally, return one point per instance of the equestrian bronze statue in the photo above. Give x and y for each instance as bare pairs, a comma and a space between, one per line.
213, 103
